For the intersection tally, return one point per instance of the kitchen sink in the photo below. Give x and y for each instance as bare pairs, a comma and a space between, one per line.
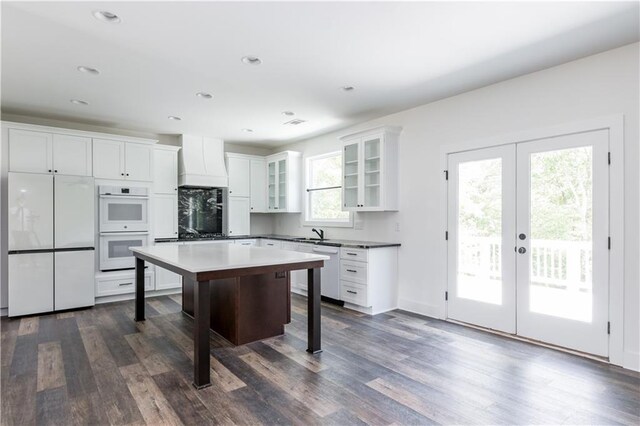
308, 239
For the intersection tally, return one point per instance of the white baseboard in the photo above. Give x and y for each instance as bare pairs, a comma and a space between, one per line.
432, 311
131, 296
4, 312
631, 360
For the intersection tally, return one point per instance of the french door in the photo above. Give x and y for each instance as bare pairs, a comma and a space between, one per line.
528, 239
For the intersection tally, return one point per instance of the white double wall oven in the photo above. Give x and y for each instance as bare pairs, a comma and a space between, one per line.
528, 239
124, 223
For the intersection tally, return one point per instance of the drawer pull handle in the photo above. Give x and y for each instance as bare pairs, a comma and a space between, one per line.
123, 284
352, 292
351, 270
352, 254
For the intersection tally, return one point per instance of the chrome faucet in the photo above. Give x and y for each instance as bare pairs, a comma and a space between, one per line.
320, 233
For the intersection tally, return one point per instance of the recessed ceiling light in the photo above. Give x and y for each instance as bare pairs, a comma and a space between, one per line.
288, 113
348, 88
88, 70
106, 16
78, 102
251, 60
173, 117
247, 130
204, 95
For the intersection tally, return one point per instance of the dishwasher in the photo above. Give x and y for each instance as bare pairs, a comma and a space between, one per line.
330, 273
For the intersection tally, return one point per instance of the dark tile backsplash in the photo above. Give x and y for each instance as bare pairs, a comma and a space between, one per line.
200, 210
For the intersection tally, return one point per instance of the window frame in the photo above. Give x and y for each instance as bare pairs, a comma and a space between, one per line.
306, 221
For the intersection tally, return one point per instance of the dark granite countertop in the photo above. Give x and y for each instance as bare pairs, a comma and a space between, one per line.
327, 242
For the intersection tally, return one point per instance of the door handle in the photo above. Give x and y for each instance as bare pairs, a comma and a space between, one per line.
522, 236
522, 250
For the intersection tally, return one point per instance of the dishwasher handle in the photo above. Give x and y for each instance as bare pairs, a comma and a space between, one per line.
329, 250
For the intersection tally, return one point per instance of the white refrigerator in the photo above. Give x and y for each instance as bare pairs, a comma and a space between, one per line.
51, 242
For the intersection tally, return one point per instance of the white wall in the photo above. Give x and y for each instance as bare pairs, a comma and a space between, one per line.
595, 86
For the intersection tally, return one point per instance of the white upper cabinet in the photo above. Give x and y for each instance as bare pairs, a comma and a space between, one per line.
40, 152
239, 169
165, 216
30, 152
238, 216
114, 159
72, 155
108, 159
138, 162
258, 185
284, 182
165, 170
370, 170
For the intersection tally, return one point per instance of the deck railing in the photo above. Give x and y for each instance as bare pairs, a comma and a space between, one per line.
556, 264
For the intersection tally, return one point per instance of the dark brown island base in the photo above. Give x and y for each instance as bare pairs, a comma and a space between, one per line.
235, 272
245, 309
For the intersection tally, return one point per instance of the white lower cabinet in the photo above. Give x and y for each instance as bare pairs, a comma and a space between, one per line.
166, 279
74, 272
299, 278
276, 244
369, 279
30, 283
112, 284
248, 242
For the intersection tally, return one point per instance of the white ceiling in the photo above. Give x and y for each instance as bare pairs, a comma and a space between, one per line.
397, 55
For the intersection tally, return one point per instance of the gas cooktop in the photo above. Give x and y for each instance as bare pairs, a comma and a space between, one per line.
200, 236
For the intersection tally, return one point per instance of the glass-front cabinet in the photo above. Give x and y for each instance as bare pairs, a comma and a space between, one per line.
283, 182
370, 170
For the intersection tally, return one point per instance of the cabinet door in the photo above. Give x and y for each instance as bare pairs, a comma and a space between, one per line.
272, 188
72, 155
166, 279
239, 216
108, 159
74, 209
138, 162
258, 186
74, 279
30, 152
165, 172
30, 283
371, 168
165, 216
283, 174
351, 173
239, 177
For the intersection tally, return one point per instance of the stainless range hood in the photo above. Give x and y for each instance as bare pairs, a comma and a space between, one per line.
201, 162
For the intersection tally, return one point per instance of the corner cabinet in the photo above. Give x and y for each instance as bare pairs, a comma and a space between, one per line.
284, 182
370, 170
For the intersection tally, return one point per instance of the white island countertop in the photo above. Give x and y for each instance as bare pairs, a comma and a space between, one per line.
218, 257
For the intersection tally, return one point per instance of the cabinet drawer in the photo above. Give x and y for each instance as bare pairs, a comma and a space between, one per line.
246, 242
353, 271
271, 244
354, 293
120, 285
353, 254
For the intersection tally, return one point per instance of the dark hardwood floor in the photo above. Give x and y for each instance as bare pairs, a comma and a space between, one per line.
97, 366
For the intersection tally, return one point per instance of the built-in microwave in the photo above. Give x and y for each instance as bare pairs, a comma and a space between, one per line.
114, 249
123, 209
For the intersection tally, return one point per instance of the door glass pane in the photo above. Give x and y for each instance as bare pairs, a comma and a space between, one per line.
282, 184
561, 233
372, 173
272, 185
119, 249
350, 184
480, 231
128, 212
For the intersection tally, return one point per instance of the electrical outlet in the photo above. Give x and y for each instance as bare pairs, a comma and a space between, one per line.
358, 224
397, 226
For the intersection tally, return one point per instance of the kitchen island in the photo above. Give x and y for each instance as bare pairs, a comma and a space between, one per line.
204, 265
